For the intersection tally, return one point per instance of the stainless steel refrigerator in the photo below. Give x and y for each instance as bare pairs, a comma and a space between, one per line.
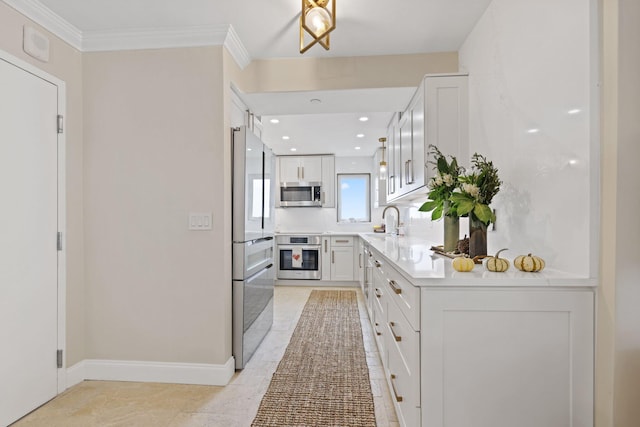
253, 243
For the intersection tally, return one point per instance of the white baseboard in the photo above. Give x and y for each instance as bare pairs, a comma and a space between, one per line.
161, 372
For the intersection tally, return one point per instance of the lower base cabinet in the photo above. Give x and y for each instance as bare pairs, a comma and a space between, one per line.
485, 357
504, 358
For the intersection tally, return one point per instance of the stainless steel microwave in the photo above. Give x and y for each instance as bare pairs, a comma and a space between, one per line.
294, 194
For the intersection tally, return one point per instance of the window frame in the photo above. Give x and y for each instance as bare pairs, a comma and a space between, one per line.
367, 177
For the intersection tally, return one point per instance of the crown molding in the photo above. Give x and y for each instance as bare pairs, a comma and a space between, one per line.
46, 18
236, 48
132, 39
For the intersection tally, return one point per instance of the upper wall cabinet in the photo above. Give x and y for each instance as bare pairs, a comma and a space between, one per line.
438, 115
300, 169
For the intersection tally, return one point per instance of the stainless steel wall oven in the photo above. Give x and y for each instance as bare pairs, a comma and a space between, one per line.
299, 257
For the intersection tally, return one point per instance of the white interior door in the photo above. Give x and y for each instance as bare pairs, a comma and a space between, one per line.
28, 229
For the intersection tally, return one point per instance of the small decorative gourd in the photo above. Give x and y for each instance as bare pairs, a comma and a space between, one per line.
529, 263
463, 264
497, 264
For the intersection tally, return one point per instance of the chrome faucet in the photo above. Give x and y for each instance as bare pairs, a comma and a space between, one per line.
395, 230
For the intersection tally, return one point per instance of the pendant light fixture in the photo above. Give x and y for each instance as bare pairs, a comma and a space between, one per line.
317, 21
383, 163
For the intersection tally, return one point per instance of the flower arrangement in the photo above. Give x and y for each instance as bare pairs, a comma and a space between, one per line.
477, 190
442, 185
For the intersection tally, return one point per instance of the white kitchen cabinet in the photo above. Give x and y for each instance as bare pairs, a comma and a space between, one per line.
300, 168
507, 357
328, 181
437, 114
484, 356
342, 266
393, 158
399, 316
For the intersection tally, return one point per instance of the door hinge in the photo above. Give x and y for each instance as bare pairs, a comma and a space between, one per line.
60, 123
59, 358
59, 241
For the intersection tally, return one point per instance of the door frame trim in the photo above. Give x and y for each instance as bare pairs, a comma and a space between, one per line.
62, 200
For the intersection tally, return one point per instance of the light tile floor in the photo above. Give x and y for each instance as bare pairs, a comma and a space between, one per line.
108, 403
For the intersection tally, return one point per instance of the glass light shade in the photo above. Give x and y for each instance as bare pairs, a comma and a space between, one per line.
318, 20
383, 170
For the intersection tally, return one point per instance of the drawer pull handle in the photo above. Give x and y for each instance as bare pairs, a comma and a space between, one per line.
393, 387
377, 263
396, 337
342, 241
378, 294
376, 329
394, 285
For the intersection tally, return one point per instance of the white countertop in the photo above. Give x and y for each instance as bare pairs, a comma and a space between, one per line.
414, 259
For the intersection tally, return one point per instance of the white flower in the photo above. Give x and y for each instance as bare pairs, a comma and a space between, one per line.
447, 179
438, 180
471, 189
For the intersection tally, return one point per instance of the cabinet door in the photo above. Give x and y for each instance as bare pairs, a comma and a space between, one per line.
446, 109
418, 160
342, 263
406, 150
311, 169
289, 169
328, 181
393, 157
532, 348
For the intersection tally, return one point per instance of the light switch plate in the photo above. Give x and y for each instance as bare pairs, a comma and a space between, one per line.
200, 221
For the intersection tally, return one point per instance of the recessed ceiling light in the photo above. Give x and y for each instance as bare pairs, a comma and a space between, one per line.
293, 149
357, 148
248, 149
315, 101
363, 118
574, 111
534, 130
274, 121
286, 138
360, 135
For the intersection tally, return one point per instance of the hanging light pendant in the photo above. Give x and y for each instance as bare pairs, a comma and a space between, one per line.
317, 21
383, 163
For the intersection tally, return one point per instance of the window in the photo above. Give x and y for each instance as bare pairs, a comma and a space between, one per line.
354, 198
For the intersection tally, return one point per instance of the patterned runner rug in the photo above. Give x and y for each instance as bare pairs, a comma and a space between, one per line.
323, 378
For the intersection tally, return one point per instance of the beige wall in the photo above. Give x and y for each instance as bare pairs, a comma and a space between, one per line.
627, 252
618, 325
155, 150
65, 64
306, 73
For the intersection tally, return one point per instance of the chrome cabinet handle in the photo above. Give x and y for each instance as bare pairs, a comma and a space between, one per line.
359, 260
377, 263
376, 329
333, 257
394, 285
393, 387
302, 172
325, 246
411, 178
377, 293
398, 338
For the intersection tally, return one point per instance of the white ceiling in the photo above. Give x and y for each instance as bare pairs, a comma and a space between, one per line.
269, 29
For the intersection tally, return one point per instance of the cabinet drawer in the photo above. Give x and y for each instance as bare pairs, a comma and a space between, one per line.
404, 389
378, 325
406, 341
341, 241
405, 295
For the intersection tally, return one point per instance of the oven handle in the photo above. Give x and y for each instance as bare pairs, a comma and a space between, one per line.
304, 247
